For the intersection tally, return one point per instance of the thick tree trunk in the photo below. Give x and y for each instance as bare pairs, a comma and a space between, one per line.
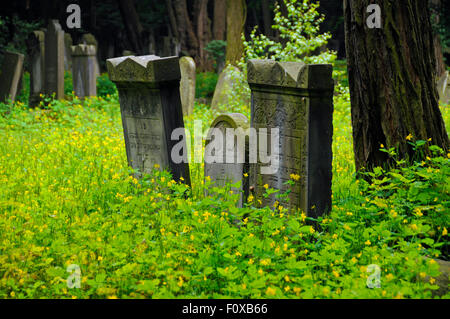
172, 19
133, 25
220, 19
236, 15
266, 13
187, 36
203, 35
392, 72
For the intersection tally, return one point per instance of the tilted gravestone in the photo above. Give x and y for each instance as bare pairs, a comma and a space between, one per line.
83, 70
36, 56
298, 100
54, 60
149, 96
187, 84
227, 88
89, 38
11, 73
226, 152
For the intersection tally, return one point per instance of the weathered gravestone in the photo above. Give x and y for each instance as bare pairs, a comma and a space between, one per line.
171, 46
226, 152
298, 100
54, 60
187, 84
36, 56
67, 52
149, 96
83, 70
227, 89
443, 87
11, 73
89, 38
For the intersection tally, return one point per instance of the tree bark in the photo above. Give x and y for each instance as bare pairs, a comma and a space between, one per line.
236, 15
267, 19
133, 25
392, 72
172, 19
220, 19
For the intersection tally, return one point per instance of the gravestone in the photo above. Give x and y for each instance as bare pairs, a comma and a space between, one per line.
36, 56
217, 167
171, 46
54, 60
89, 38
149, 96
187, 84
298, 100
83, 70
11, 73
67, 52
227, 86
443, 86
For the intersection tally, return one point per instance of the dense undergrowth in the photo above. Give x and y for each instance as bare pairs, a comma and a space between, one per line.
67, 197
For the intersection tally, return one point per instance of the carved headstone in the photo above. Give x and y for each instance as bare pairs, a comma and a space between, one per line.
54, 60
36, 56
187, 84
227, 160
11, 73
226, 88
67, 52
149, 96
298, 100
89, 38
83, 70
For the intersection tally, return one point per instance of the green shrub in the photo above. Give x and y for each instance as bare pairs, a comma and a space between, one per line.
105, 86
205, 84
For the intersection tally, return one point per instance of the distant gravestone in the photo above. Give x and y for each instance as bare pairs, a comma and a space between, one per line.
67, 52
220, 169
10, 76
171, 46
127, 53
36, 56
227, 83
89, 38
149, 96
187, 84
298, 100
83, 70
443, 86
54, 60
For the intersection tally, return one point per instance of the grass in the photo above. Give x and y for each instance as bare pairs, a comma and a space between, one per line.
67, 198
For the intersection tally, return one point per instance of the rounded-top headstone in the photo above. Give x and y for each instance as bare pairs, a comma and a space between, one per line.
187, 84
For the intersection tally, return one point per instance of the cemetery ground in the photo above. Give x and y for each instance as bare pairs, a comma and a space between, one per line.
67, 197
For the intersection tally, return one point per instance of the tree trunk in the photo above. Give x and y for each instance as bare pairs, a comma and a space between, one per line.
267, 19
236, 15
172, 19
440, 65
392, 72
220, 19
187, 36
203, 35
132, 24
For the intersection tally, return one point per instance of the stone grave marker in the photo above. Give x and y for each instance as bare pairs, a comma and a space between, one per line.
11, 73
298, 100
150, 104
54, 60
227, 83
89, 38
187, 84
36, 56
67, 52
443, 86
83, 70
217, 167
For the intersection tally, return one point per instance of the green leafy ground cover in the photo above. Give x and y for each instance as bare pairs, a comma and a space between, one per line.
66, 197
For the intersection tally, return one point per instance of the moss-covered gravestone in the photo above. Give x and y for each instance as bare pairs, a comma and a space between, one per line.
11, 73
149, 96
35, 56
187, 84
226, 152
54, 60
83, 70
296, 99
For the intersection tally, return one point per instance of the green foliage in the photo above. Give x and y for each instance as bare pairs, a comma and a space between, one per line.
205, 83
299, 33
105, 86
68, 84
217, 49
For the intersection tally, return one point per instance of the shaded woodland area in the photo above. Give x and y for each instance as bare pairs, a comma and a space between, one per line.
169, 27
